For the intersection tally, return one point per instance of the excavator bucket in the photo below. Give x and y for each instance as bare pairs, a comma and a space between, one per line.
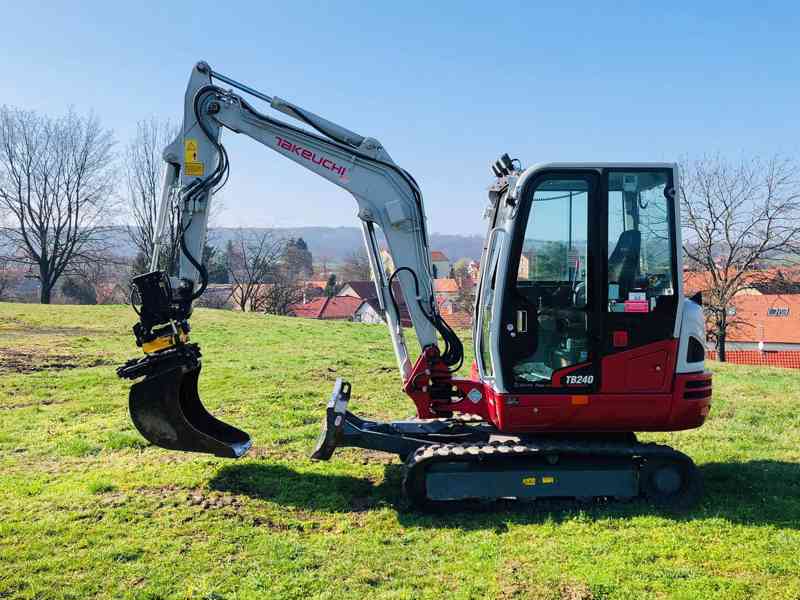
166, 408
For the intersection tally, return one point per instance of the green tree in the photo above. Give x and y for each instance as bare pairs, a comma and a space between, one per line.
331, 287
550, 262
298, 259
461, 269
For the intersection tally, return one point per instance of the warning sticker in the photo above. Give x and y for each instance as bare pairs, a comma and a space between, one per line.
194, 169
190, 150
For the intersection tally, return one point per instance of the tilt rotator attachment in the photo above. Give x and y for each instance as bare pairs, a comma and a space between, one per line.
165, 406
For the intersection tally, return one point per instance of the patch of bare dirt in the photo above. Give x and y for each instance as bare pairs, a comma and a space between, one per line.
36, 330
258, 452
22, 361
172, 494
373, 457
45, 402
575, 591
515, 584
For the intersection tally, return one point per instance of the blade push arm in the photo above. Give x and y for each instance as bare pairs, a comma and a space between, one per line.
386, 195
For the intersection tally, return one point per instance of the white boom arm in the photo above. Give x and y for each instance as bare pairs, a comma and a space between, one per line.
387, 196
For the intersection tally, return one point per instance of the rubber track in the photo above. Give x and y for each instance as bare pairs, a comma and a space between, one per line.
425, 456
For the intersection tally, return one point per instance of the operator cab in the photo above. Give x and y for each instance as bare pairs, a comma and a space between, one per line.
580, 264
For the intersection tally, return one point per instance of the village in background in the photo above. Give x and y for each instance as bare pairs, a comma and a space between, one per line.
69, 234
262, 271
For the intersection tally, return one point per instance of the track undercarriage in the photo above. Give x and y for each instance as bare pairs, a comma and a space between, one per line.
458, 459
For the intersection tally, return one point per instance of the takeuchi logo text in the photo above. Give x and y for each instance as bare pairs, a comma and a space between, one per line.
306, 154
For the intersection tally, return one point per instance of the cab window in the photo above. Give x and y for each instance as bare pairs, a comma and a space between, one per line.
640, 243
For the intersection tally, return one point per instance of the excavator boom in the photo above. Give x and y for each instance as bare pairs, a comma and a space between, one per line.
582, 334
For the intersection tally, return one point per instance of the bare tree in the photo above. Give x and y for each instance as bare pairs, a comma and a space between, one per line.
144, 170
8, 279
356, 267
737, 217
56, 189
108, 281
282, 293
253, 264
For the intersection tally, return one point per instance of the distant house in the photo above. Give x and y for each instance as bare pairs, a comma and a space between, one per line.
784, 280
445, 287
458, 319
341, 308
365, 290
358, 289
768, 322
314, 289
440, 263
307, 310
368, 312
446, 305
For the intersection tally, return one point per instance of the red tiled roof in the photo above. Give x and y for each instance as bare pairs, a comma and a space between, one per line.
337, 307
438, 256
696, 281
445, 286
701, 281
340, 307
459, 320
309, 310
756, 324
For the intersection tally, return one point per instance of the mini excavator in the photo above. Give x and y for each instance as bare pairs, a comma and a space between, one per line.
582, 332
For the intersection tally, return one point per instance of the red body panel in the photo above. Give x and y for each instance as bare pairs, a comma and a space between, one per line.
639, 391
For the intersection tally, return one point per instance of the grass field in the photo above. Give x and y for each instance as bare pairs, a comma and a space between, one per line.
89, 510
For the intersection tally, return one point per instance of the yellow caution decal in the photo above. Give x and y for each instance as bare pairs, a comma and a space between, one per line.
544, 480
192, 166
190, 150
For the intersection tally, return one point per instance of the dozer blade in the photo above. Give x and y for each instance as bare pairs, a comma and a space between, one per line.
166, 408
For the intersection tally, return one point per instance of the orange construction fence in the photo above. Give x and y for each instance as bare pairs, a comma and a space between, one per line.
780, 358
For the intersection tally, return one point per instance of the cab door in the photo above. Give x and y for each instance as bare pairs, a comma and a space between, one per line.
548, 337
640, 291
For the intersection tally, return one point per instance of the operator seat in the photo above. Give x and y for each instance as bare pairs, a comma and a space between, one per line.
623, 264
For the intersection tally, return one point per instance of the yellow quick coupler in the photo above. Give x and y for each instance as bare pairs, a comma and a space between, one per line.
164, 342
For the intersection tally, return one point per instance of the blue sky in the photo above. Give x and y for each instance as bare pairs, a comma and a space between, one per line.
445, 86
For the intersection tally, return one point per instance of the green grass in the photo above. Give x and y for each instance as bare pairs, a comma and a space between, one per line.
89, 510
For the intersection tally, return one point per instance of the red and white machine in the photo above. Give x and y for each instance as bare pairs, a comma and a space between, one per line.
582, 332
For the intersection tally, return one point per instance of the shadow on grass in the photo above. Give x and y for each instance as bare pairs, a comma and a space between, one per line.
760, 492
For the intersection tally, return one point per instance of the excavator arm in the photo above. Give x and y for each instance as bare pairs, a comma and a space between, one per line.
474, 438
387, 197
